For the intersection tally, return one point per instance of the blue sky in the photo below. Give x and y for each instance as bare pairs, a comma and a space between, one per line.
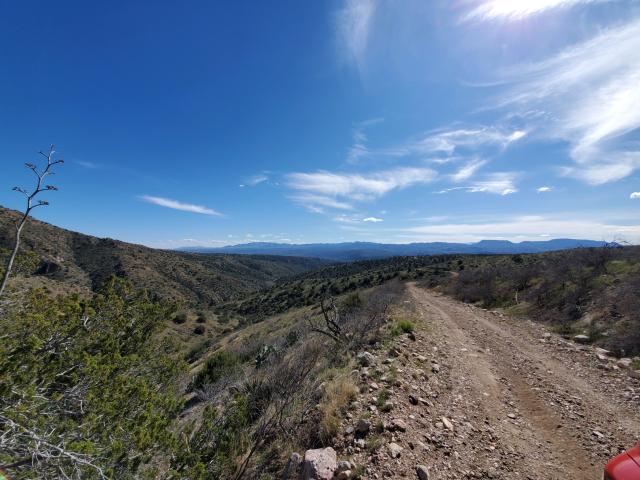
211, 123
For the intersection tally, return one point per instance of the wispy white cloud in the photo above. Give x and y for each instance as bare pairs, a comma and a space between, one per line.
518, 9
360, 150
526, 228
176, 205
498, 183
543, 189
467, 171
86, 164
634, 195
501, 183
347, 218
448, 141
353, 25
440, 146
317, 203
590, 94
338, 190
354, 219
255, 180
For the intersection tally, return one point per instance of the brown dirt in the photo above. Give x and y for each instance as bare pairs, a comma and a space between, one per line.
522, 404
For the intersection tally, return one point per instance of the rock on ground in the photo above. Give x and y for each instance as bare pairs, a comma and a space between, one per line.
319, 464
422, 472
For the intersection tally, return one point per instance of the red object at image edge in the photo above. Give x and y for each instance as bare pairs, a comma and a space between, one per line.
625, 466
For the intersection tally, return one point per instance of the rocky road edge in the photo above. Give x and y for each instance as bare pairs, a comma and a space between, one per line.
475, 394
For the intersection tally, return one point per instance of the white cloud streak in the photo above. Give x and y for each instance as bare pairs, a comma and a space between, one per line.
449, 141
518, 9
591, 94
467, 171
176, 205
634, 196
256, 179
497, 183
357, 186
500, 183
317, 203
338, 190
543, 189
353, 27
86, 164
438, 147
372, 220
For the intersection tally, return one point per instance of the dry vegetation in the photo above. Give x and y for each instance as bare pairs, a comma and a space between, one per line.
270, 369
256, 401
196, 280
591, 291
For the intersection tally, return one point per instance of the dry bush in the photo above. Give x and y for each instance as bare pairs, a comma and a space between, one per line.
351, 324
560, 288
278, 402
623, 304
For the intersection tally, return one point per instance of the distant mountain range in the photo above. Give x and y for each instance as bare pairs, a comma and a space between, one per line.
344, 252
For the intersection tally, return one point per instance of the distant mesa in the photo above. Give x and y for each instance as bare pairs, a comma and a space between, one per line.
350, 251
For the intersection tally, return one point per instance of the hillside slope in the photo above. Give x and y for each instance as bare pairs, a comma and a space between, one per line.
85, 262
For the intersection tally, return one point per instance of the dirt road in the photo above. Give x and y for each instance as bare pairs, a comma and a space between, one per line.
487, 396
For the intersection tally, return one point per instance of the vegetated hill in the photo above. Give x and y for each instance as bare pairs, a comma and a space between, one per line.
333, 280
367, 250
76, 260
592, 291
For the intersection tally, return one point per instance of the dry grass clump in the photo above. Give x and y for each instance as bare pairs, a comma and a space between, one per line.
338, 395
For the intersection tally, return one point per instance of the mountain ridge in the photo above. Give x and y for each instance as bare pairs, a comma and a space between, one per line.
349, 251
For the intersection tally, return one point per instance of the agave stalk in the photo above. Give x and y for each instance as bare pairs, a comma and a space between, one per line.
31, 203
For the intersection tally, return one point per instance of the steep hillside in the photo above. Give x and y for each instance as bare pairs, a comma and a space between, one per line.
82, 261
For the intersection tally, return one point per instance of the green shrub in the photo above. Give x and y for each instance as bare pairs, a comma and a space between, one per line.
353, 300
100, 359
402, 326
211, 449
196, 352
25, 262
180, 318
199, 330
381, 399
219, 365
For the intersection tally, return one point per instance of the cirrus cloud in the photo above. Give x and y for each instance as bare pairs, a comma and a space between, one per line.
176, 205
467, 171
353, 25
498, 183
519, 9
340, 190
589, 95
450, 140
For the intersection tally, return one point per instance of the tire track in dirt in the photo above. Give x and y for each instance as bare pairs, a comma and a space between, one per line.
556, 412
